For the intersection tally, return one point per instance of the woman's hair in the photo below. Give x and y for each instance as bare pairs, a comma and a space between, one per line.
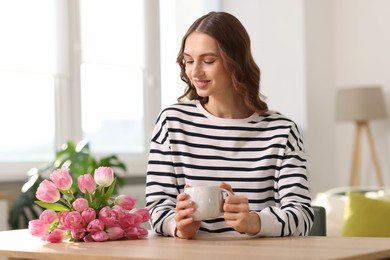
234, 44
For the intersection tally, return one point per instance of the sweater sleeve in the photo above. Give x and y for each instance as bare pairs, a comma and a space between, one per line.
295, 216
161, 183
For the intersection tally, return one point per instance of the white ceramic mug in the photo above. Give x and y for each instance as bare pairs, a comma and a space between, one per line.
208, 201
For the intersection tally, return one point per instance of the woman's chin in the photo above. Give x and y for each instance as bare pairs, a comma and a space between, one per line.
202, 93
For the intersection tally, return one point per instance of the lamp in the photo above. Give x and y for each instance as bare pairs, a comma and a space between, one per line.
361, 104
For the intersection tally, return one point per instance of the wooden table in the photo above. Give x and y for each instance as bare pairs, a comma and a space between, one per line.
20, 244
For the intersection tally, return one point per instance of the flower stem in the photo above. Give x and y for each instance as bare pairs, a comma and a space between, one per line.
66, 202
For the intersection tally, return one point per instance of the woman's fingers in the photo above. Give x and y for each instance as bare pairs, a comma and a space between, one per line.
184, 208
186, 226
226, 186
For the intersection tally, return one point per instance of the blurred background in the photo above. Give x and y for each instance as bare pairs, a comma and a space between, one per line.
101, 70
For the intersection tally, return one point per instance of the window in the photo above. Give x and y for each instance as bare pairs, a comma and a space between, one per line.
27, 115
27, 83
112, 108
71, 70
112, 74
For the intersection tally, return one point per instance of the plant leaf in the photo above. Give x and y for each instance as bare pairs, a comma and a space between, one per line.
53, 206
110, 190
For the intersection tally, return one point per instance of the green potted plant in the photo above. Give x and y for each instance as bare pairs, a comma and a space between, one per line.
78, 159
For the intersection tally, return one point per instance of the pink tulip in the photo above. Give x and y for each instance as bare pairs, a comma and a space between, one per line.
88, 238
62, 178
80, 204
131, 232
73, 220
104, 176
78, 234
86, 183
136, 233
125, 201
88, 215
48, 216
61, 219
144, 213
55, 236
99, 236
142, 232
115, 233
130, 220
38, 228
95, 226
118, 211
47, 192
107, 216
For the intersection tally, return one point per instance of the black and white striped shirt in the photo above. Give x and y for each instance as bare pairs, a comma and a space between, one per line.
261, 157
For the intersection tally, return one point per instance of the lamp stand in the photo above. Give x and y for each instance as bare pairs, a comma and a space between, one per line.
355, 169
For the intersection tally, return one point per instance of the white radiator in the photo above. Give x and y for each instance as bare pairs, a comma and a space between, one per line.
3, 219
3, 215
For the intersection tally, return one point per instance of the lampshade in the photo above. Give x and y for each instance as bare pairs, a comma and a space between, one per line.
360, 104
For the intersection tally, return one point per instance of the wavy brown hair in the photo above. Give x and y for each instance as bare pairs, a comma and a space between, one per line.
234, 44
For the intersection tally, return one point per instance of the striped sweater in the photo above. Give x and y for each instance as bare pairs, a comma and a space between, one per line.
261, 157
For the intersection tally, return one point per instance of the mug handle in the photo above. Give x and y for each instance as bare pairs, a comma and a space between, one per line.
227, 191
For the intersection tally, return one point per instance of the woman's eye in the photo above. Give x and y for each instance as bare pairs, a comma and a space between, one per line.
204, 61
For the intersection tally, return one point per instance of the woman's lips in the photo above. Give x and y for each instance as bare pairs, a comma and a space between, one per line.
201, 83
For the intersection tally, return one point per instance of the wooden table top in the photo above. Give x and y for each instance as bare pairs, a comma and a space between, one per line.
20, 244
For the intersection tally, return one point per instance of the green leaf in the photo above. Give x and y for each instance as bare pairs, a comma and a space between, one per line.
110, 190
88, 197
53, 206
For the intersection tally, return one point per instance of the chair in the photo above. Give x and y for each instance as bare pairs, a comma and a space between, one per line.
319, 225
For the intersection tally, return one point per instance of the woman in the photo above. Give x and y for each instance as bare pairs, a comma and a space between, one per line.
222, 133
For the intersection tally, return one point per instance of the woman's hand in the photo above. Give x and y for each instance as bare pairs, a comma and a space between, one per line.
237, 214
186, 226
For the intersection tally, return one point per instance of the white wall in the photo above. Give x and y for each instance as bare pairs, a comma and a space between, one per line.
277, 37
321, 138
307, 49
362, 56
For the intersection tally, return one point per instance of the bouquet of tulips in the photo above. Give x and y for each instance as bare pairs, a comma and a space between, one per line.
97, 216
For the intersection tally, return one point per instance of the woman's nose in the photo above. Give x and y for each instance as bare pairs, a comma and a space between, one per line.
196, 69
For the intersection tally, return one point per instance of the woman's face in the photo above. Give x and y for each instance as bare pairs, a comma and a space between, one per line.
204, 66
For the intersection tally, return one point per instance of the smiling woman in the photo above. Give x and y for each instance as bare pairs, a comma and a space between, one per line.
221, 133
